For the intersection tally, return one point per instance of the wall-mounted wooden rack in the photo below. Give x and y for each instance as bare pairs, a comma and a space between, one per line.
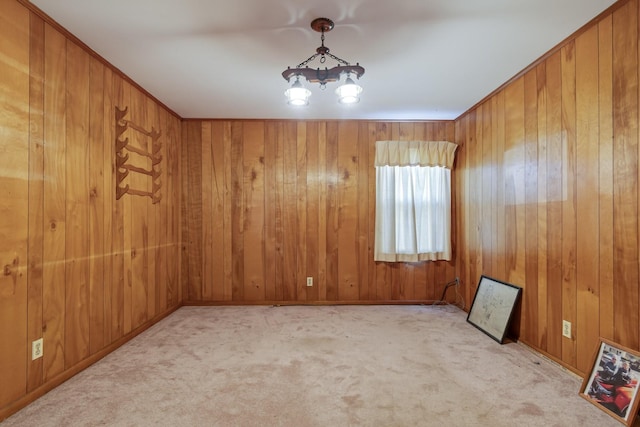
124, 163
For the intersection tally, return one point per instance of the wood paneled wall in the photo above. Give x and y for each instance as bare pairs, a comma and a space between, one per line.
79, 269
548, 191
269, 203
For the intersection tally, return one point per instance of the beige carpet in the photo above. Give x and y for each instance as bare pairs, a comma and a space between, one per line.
317, 366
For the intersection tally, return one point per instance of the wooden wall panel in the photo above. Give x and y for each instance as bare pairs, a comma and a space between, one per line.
152, 247
530, 298
301, 201
14, 200
237, 211
331, 181
365, 171
96, 206
272, 248
625, 174
587, 261
568, 196
66, 241
322, 212
138, 216
301, 210
279, 225
36, 194
570, 126
605, 177
312, 185
254, 206
487, 186
173, 220
125, 98
542, 313
208, 219
289, 212
76, 336
347, 221
108, 189
462, 219
194, 212
163, 256
514, 182
53, 271
471, 202
554, 196
498, 264
185, 196
119, 278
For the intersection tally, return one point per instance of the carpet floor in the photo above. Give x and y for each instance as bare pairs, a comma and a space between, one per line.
317, 366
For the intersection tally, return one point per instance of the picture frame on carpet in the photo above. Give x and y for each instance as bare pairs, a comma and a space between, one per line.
612, 383
492, 307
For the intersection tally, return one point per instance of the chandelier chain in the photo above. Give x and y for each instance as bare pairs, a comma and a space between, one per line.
322, 47
311, 58
322, 52
335, 58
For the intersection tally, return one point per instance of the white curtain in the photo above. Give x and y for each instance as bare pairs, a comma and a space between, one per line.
413, 200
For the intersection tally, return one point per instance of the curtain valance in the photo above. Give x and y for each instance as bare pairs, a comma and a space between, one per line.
415, 153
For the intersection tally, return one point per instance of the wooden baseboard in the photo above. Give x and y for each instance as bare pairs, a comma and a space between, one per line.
313, 303
554, 359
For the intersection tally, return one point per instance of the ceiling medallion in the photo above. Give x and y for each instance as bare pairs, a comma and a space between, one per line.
348, 92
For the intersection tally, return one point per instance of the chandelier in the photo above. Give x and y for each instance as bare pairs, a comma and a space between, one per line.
348, 92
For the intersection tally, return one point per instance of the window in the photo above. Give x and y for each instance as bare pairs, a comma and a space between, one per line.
413, 200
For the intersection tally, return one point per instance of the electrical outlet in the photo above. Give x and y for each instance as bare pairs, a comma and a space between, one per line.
566, 329
37, 349
309, 281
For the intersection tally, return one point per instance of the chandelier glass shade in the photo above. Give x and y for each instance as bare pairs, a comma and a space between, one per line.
297, 94
348, 92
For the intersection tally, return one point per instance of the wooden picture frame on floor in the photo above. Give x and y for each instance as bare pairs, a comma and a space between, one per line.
612, 384
492, 307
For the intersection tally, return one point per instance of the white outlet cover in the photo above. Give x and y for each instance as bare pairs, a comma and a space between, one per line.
37, 349
566, 329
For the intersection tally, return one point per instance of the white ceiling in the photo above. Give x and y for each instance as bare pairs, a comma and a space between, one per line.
424, 59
